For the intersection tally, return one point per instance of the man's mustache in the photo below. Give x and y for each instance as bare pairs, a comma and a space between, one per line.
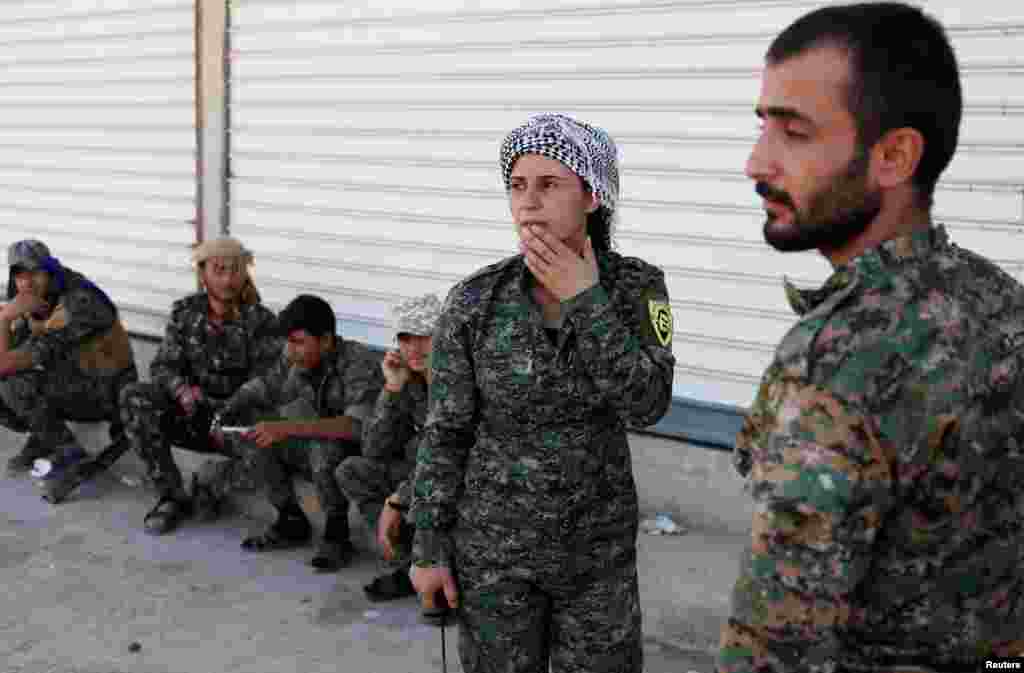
766, 191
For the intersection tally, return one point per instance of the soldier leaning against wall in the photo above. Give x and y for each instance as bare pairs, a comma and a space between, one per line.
64, 355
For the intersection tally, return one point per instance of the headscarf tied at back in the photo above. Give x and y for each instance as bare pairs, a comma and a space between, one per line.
588, 151
229, 247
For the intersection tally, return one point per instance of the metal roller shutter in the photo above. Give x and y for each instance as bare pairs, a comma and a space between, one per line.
365, 141
98, 139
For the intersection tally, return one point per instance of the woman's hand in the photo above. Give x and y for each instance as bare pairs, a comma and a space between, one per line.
564, 273
428, 581
388, 529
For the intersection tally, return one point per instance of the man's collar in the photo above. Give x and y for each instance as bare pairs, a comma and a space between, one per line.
870, 263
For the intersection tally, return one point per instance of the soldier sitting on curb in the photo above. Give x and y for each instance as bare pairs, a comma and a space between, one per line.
322, 390
378, 480
215, 341
64, 355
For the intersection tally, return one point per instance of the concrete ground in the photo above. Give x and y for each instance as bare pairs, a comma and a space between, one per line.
83, 583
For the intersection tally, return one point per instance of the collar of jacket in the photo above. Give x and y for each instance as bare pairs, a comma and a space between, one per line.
869, 268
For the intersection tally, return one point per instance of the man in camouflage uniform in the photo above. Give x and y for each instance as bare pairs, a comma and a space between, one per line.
322, 390
64, 355
523, 489
378, 481
215, 341
883, 448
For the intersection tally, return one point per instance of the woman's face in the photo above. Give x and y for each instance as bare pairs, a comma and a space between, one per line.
544, 192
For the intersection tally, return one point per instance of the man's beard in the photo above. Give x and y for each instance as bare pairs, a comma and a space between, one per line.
837, 213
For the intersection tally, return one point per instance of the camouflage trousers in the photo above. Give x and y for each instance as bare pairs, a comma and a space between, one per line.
154, 422
313, 459
531, 610
367, 483
41, 402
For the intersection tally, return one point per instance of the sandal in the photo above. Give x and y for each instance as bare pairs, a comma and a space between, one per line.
166, 514
293, 533
390, 587
332, 555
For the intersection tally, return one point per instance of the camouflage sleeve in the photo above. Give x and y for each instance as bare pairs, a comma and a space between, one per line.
388, 429
627, 351
363, 383
170, 367
821, 478
447, 436
89, 314
261, 392
403, 493
267, 344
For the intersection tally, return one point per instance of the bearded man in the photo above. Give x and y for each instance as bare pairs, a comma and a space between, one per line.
215, 341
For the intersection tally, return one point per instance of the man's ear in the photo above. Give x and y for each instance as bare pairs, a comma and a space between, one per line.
896, 156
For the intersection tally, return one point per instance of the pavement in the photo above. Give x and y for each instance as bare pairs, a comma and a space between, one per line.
87, 591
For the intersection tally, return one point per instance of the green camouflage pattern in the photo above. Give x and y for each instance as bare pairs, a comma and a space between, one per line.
523, 481
58, 387
195, 351
391, 439
346, 384
219, 360
883, 453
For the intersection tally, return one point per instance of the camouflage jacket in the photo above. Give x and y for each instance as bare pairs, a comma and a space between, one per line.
884, 455
527, 433
346, 384
217, 359
393, 433
83, 332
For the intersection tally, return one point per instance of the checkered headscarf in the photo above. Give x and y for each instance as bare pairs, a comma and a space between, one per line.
586, 150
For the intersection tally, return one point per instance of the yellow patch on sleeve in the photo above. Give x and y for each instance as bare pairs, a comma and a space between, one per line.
660, 314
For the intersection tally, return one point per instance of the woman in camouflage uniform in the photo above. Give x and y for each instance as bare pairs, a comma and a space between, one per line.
524, 501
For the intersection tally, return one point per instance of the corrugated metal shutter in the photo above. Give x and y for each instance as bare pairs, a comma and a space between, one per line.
97, 143
365, 144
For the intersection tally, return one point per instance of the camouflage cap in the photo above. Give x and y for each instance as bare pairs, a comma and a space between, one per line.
417, 316
29, 255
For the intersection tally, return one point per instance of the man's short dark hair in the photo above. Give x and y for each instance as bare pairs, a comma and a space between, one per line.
903, 73
309, 313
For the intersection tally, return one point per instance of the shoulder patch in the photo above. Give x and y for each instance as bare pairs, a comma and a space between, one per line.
467, 291
660, 314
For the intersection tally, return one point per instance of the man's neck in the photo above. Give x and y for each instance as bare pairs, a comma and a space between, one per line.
885, 227
221, 310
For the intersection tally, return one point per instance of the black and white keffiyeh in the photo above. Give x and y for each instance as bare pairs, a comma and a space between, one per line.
588, 151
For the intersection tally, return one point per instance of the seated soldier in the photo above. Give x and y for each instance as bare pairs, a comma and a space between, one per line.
378, 480
215, 341
322, 390
64, 355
